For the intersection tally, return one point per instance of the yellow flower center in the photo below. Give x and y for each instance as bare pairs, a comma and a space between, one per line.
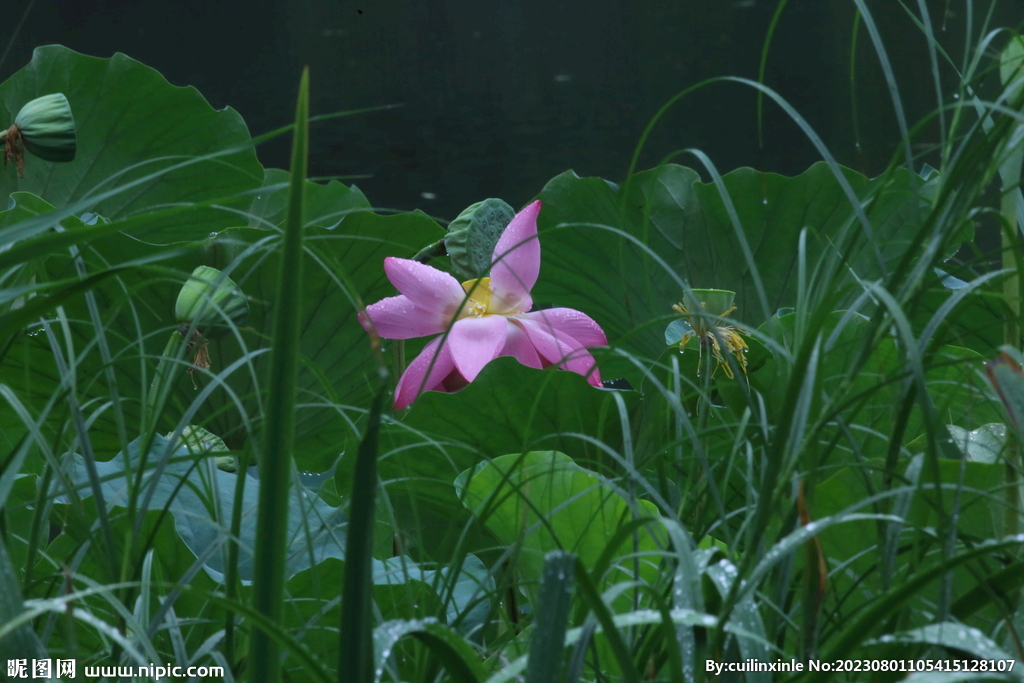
705, 332
479, 303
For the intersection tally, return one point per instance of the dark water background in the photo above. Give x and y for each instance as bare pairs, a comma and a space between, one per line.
500, 96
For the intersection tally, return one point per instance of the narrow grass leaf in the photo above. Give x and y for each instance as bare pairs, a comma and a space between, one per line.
611, 631
551, 615
356, 651
275, 463
954, 636
459, 658
272, 631
22, 642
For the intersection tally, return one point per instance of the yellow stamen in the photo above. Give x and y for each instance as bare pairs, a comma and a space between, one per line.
479, 303
706, 335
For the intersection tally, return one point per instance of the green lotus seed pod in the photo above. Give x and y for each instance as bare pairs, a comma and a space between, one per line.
471, 237
48, 128
715, 301
208, 300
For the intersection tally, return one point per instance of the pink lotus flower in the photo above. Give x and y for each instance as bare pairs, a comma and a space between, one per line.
483, 318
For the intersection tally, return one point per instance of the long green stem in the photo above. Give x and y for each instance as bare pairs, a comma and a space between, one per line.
707, 367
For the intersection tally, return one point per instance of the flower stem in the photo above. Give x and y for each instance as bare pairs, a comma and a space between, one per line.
704, 402
431, 251
156, 387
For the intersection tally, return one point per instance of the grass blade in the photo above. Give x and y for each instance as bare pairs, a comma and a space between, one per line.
23, 642
547, 644
275, 463
460, 660
355, 663
604, 617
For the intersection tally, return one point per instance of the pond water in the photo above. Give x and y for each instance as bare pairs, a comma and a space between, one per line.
496, 98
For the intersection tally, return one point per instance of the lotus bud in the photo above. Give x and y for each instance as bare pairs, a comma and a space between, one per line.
472, 236
208, 300
46, 128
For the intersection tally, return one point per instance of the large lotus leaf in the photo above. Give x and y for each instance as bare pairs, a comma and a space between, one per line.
21, 206
402, 589
508, 408
594, 266
132, 124
312, 612
324, 205
138, 315
984, 444
466, 597
980, 514
137, 312
201, 498
870, 403
172, 561
976, 322
548, 502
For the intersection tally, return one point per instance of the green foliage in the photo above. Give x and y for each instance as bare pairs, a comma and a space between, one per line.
143, 144
544, 501
170, 494
200, 498
664, 226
